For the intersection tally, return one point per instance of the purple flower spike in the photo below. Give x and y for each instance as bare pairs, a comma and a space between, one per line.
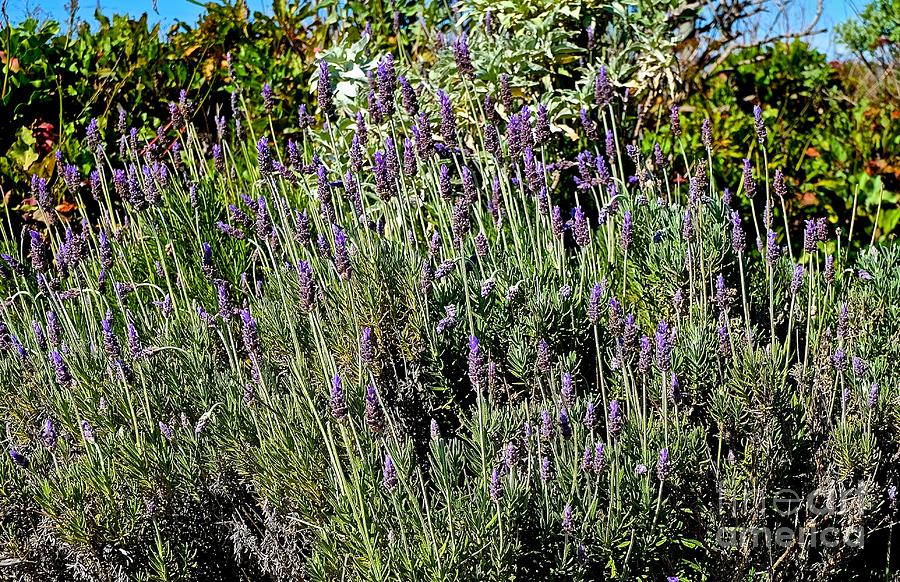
738, 240
341, 253
63, 375
664, 345
463, 58
590, 416
448, 119
544, 357
268, 102
589, 126
542, 125
580, 228
872, 400
386, 78
599, 457
603, 92
39, 253
761, 132
496, 488
374, 412
366, 348
250, 335
615, 422
565, 427
18, 458
389, 474
308, 289
662, 467
627, 236
409, 97
48, 433
477, 371
546, 469
797, 279
567, 522
748, 181
264, 157
568, 390
338, 401
675, 121
706, 133
324, 92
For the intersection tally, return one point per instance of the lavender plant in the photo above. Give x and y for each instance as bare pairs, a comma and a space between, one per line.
459, 360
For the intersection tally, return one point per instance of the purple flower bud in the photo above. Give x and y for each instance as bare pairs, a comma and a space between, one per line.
599, 461
40, 252
859, 366
481, 245
706, 133
250, 335
468, 181
810, 238
384, 182
772, 249
664, 345
267, 98
410, 167
778, 184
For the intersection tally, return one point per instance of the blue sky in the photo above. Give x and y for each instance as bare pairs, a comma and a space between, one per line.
168, 11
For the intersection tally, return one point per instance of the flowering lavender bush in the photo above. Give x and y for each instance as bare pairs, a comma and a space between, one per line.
410, 339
